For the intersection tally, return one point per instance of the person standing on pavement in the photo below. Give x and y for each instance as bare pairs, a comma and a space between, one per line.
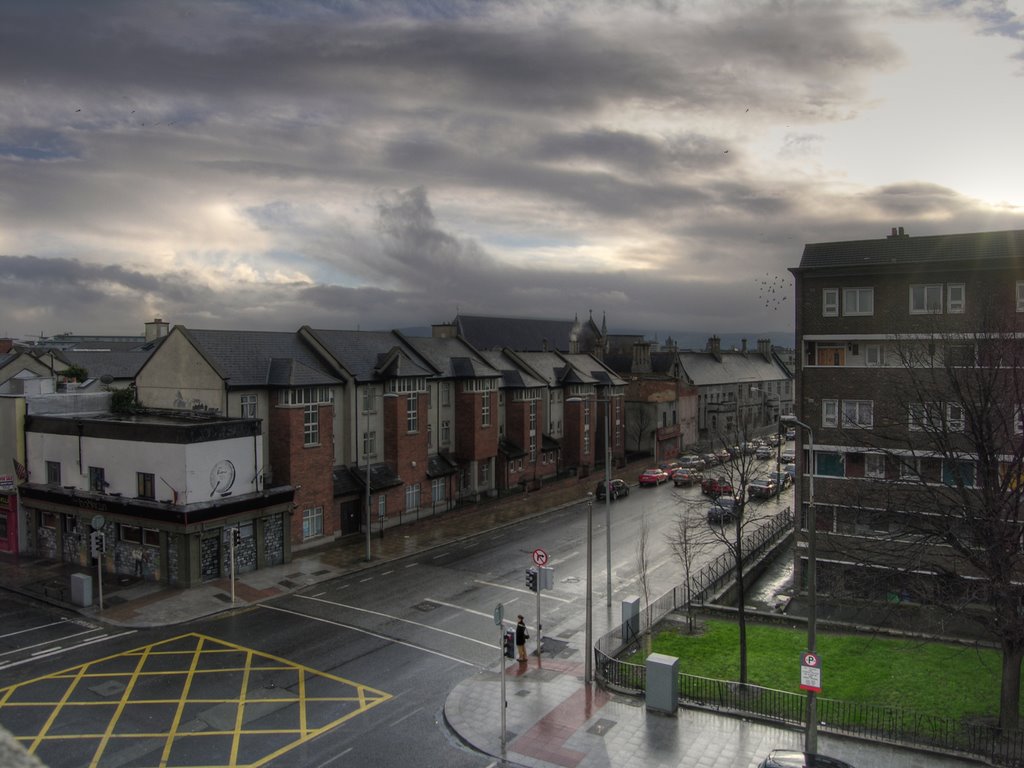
521, 637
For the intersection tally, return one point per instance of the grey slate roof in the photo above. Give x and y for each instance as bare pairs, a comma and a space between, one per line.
362, 353
600, 373
977, 246
451, 357
261, 358
512, 375
735, 368
119, 365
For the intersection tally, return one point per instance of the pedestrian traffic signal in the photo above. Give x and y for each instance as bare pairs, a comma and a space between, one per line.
236, 536
97, 543
531, 579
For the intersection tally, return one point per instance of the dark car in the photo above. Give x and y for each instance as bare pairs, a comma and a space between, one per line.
762, 488
784, 758
715, 486
782, 479
710, 460
791, 433
670, 466
722, 510
618, 488
764, 452
684, 476
790, 469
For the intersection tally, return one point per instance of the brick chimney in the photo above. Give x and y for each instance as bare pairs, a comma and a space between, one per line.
641, 357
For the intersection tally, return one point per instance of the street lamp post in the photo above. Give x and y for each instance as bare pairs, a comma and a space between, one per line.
608, 500
588, 640
811, 737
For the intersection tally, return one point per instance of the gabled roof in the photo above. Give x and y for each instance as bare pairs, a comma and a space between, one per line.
557, 370
451, 357
525, 334
599, 373
513, 376
902, 249
370, 355
260, 358
703, 369
118, 365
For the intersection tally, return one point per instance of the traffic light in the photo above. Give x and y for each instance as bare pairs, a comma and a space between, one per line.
97, 543
236, 536
531, 579
547, 577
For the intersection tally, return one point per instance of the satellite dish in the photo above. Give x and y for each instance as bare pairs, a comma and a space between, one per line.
106, 378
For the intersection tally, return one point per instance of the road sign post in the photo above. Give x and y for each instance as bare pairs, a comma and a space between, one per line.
810, 672
540, 559
499, 615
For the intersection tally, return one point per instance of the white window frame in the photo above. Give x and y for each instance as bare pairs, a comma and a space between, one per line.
310, 425
829, 413
874, 465
830, 302
312, 523
446, 432
247, 406
370, 443
485, 409
855, 298
930, 299
412, 497
954, 417
369, 399
437, 489
955, 306
412, 413
873, 354
859, 413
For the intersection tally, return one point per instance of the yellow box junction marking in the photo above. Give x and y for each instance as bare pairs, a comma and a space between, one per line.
192, 700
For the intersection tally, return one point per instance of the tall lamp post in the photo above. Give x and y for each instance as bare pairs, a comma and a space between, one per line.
588, 641
608, 499
811, 737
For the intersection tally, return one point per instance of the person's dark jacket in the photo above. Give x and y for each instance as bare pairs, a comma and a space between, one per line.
520, 634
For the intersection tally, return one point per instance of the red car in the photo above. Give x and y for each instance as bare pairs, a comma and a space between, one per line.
655, 476
716, 486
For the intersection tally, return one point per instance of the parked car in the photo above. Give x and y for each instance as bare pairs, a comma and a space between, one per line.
782, 479
691, 461
790, 469
723, 455
748, 448
788, 456
683, 476
773, 440
618, 488
791, 433
669, 466
784, 758
653, 476
762, 488
722, 510
715, 486
764, 452
710, 460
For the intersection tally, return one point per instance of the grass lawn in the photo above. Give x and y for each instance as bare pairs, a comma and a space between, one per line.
934, 678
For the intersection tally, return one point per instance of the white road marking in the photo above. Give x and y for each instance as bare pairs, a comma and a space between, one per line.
373, 634
49, 642
412, 565
33, 629
55, 651
397, 618
458, 607
406, 717
386, 573
438, 557
523, 591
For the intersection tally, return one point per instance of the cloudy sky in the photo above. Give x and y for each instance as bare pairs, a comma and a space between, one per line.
373, 165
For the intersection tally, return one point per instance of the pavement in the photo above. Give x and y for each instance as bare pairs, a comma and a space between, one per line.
553, 719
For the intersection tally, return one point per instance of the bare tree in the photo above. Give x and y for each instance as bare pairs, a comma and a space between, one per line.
738, 473
643, 575
639, 420
688, 540
938, 514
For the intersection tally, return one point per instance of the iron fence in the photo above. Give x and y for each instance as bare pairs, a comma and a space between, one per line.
887, 723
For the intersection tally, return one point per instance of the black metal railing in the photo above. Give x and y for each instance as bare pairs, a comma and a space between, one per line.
887, 723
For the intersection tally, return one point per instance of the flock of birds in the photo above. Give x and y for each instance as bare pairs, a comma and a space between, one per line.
773, 290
